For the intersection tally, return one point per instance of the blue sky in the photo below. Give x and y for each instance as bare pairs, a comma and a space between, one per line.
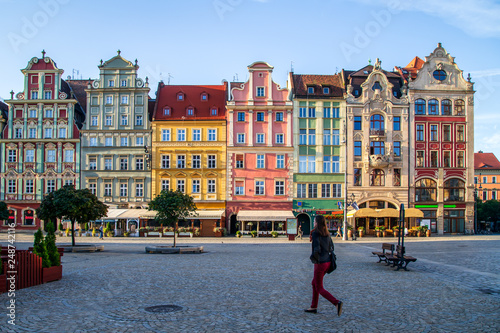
207, 41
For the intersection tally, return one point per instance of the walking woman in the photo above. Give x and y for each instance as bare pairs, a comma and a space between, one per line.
321, 242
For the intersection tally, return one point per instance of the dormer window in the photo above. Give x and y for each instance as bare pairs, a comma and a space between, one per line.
365, 72
213, 112
310, 90
326, 90
180, 96
376, 86
166, 111
204, 97
190, 111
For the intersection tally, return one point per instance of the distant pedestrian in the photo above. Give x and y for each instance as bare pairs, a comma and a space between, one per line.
322, 245
299, 232
100, 232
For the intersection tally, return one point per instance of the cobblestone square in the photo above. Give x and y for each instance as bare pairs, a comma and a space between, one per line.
263, 285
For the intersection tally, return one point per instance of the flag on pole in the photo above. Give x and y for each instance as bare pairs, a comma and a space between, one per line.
339, 204
355, 206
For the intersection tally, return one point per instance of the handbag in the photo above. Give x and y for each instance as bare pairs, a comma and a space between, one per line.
333, 259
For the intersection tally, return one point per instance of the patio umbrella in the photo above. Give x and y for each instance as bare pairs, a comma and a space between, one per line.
388, 212
414, 212
366, 212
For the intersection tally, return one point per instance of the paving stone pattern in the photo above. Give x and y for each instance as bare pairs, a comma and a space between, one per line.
263, 285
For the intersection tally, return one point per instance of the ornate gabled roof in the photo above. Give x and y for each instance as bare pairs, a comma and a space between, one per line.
41, 64
118, 62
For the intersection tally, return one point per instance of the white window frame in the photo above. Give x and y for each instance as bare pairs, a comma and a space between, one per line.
181, 134
212, 135
260, 138
260, 92
139, 120
93, 141
261, 161
196, 186
280, 138
165, 134
196, 134
240, 137
280, 161
108, 120
211, 188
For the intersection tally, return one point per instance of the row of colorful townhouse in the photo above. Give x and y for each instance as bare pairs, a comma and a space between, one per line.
251, 154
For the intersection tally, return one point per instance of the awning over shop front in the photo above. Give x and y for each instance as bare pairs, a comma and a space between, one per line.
264, 215
133, 213
207, 214
114, 213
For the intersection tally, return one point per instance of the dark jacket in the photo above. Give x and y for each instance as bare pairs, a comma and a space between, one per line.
320, 248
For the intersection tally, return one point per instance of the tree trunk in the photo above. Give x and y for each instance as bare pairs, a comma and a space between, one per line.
175, 233
72, 233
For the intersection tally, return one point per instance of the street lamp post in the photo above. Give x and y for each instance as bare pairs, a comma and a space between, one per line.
348, 202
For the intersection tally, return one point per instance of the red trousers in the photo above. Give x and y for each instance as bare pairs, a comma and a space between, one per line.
317, 284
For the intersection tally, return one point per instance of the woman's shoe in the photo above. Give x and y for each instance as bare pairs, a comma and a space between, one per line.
339, 308
311, 310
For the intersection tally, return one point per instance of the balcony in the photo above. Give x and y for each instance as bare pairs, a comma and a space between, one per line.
379, 161
377, 133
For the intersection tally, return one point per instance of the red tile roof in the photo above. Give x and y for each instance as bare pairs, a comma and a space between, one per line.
486, 161
301, 82
167, 97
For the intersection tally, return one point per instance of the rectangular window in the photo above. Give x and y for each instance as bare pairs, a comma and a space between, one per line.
49, 113
69, 155
327, 164
302, 137
311, 164
260, 92
313, 191
279, 116
29, 188
51, 185
111, 83
190, 111
357, 123
195, 186
279, 187
93, 142
325, 190
260, 116
420, 132
165, 185
493, 180
302, 112
239, 188
326, 112
139, 163
51, 155
181, 185
123, 83
212, 135
335, 164
357, 177
260, 162
337, 190
108, 164
241, 138
139, 141
493, 195
196, 162
62, 133
241, 116
280, 161
12, 156
420, 159
335, 113
34, 95
93, 121
138, 120
139, 190
48, 79
123, 189
30, 155
213, 111
397, 148
301, 190
211, 186
357, 148
124, 100
312, 113
259, 187
32, 133
11, 187
396, 124
279, 139
124, 120
312, 137
212, 163
196, 135
93, 188
123, 163
327, 139
447, 159
434, 133
460, 159
109, 100
165, 135
460, 133
181, 135
396, 180
434, 159
181, 161
107, 189
335, 137
108, 142
94, 100
18, 133
239, 161
260, 138
446, 132
165, 161
93, 163
124, 141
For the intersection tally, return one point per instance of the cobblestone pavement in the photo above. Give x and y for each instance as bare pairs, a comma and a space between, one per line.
263, 285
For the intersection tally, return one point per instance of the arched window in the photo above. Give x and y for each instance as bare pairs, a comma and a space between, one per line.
377, 123
377, 178
459, 107
433, 107
454, 190
376, 86
446, 107
425, 190
420, 106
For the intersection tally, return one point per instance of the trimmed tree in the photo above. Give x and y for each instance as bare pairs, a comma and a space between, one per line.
170, 206
4, 211
78, 206
50, 245
39, 248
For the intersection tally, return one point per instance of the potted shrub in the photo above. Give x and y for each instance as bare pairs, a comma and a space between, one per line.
420, 231
238, 234
274, 234
54, 272
382, 230
253, 233
395, 230
426, 231
349, 231
377, 231
361, 231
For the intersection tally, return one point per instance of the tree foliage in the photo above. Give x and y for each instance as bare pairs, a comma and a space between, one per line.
78, 206
4, 211
488, 210
50, 245
170, 206
39, 248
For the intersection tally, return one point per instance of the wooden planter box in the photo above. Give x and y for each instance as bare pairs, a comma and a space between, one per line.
3, 283
53, 273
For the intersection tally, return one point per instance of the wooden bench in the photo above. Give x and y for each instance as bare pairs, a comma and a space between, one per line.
399, 259
382, 256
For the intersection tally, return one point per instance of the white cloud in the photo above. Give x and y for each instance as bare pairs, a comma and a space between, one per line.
479, 18
485, 73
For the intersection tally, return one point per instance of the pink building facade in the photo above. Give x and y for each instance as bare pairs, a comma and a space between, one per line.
259, 154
